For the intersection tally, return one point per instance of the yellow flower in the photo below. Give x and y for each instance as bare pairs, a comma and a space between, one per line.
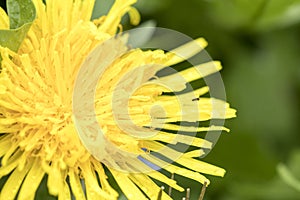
38, 136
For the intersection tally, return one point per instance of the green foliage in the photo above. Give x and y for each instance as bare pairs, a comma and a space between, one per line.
20, 12
284, 185
289, 174
279, 14
260, 15
21, 15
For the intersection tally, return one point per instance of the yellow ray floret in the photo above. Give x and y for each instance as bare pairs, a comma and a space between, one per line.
4, 21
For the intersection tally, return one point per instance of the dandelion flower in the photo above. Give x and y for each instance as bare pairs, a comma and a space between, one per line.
38, 136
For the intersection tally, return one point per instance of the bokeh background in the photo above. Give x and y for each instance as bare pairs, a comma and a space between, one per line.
258, 42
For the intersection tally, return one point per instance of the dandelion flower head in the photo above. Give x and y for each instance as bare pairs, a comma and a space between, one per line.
38, 136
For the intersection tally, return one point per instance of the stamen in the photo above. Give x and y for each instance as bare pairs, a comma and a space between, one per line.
170, 188
188, 193
202, 191
160, 193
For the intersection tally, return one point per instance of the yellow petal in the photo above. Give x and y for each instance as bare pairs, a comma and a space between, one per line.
85, 9
5, 144
178, 138
4, 20
200, 71
93, 190
64, 191
194, 153
10, 154
113, 19
10, 165
148, 186
14, 182
187, 173
162, 149
201, 166
186, 96
190, 74
103, 180
32, 181
186, 51
177, 170
131, 191
185, 161
175, 127
54, 182
193, 111
164, 179
76, 185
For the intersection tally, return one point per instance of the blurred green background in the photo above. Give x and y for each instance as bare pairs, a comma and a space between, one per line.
258, 42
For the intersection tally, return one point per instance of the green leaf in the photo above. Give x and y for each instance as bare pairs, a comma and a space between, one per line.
285, 185
257, 15
20, 12
21, 15
279, 14
12, 39
286, 175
